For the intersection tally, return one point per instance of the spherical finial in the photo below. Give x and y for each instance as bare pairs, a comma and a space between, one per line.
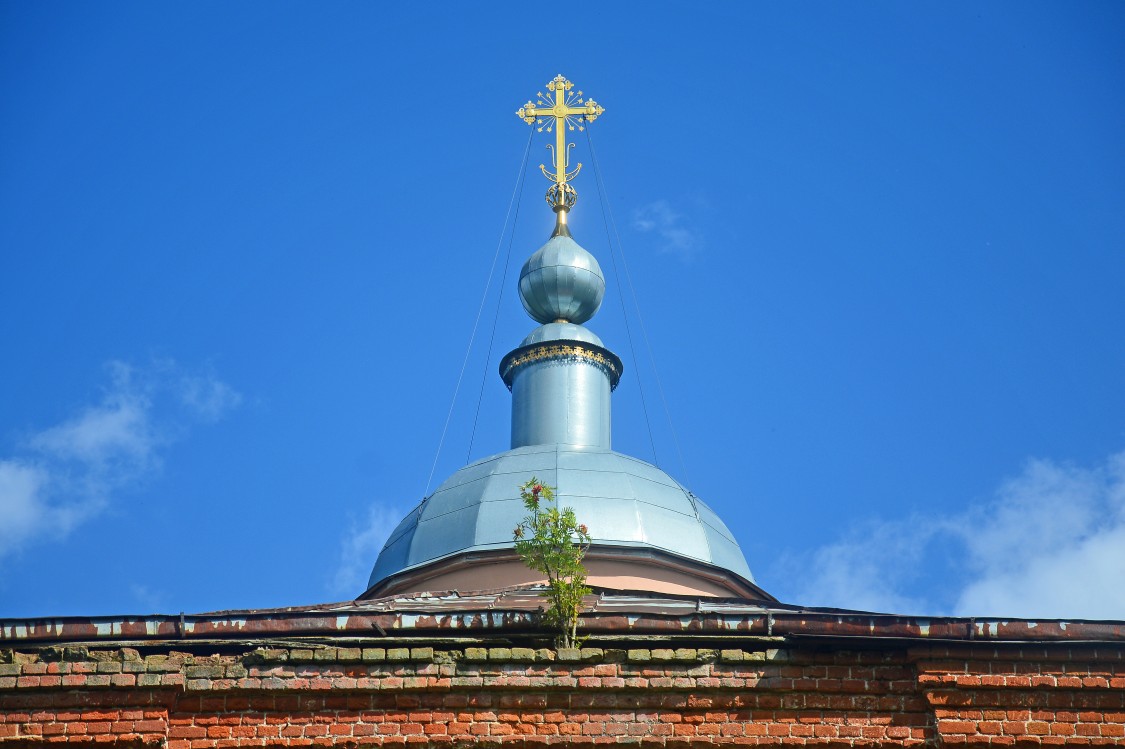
561, 282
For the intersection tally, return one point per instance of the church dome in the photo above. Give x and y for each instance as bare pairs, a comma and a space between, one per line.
647, 532
561, 282
624, 501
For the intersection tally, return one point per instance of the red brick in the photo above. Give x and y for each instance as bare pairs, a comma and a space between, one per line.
824, 698
990, 727
956, 726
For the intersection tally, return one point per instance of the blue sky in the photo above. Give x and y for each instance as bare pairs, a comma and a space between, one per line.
877, 249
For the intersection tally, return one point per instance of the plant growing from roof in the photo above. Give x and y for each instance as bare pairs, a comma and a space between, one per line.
552, 541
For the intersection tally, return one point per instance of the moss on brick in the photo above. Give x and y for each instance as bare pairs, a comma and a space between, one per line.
325, 654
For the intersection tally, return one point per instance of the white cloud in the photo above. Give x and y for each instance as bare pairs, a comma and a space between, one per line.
116, 430
1052, 545
677, 234
66, 473
208, 397
870, 569
1049, 544
361, 547
21, 501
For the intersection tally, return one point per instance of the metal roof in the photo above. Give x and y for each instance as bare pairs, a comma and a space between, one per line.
562, 331
623, 500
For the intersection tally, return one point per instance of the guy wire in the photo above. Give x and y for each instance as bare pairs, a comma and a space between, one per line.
503, 283
604, 200
640, 318
476, 322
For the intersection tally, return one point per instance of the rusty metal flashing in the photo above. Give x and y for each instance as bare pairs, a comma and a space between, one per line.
514, 612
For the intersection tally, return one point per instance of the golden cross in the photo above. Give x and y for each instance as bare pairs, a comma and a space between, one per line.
568, 111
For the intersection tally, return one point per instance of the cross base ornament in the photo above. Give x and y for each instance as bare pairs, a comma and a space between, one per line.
567, 111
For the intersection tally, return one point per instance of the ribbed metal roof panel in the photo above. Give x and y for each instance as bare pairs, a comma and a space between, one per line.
624, 502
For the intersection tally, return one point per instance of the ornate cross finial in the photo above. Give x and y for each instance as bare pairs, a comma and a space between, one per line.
568, 111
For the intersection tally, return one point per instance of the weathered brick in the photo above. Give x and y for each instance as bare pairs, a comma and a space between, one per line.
703, 696
207, 671
349, 655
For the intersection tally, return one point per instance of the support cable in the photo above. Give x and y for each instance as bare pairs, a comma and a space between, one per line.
604, 200
640, 318
503, 284
484, 298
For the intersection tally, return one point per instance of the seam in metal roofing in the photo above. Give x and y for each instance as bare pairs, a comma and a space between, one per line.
623, 500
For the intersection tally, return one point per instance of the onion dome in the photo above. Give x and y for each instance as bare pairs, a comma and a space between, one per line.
561, 282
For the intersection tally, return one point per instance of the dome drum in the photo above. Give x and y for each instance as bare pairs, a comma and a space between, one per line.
561, 393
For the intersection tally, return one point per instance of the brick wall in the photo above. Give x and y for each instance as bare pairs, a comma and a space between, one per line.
224, 694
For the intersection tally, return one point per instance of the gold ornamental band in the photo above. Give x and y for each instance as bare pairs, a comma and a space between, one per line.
600, 358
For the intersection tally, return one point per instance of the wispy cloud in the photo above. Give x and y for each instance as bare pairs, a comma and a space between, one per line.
1050, 543
148, 598
1053, 544
676, 233
870, 569
115, 433
209, 398
361, 546
28, 508
62, 475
